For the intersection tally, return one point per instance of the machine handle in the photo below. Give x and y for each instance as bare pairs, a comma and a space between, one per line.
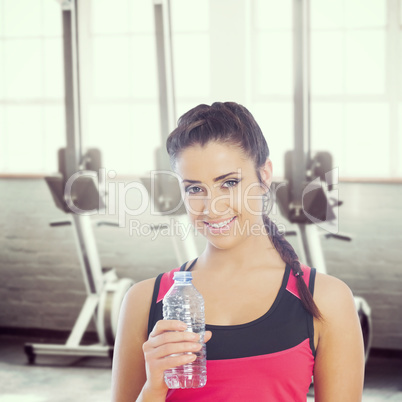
338, 236
290, 233
60, 223
105, 223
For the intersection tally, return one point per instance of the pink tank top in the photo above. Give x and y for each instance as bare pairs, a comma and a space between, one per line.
268, 359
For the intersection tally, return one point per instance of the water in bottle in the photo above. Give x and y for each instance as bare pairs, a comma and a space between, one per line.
183, 302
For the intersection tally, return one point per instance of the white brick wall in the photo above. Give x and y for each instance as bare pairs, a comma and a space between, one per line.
41, 283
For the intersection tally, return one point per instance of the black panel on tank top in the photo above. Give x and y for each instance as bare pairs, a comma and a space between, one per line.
283, 326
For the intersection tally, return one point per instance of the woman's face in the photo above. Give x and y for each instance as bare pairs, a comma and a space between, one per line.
221, 192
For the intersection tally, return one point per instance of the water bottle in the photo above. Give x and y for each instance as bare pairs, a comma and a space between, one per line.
183, 302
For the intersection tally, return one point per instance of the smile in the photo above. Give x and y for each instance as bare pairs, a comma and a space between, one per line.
216, 227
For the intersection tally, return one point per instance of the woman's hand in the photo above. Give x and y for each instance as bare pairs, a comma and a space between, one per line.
169, 345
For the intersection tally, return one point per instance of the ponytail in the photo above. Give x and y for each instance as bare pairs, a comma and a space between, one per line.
289, 255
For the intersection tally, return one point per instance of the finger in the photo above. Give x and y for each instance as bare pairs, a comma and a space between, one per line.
175, 348
174, 361
170, 338
173, 337
167, 325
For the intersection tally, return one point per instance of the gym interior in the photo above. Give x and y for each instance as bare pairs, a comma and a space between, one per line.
89, 91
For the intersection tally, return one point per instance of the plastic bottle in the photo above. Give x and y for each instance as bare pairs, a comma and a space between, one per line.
183, 302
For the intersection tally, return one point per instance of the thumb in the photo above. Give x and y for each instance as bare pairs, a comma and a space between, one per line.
207, 336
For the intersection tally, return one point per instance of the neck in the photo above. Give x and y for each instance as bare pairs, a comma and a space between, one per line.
254, 251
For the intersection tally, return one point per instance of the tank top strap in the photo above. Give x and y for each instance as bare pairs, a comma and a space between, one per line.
190, 267
307, 276
166, 283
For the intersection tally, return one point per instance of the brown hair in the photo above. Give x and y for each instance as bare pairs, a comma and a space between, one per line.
232, 124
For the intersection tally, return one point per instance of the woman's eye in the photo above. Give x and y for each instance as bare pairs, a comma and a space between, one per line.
195, 189
192, 190
231, 183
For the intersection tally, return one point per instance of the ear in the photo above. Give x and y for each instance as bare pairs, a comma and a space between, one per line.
266, 172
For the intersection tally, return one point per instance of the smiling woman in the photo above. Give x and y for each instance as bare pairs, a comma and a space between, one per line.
229, 203
272, 322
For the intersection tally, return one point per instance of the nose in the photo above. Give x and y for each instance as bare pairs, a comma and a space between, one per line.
217, 205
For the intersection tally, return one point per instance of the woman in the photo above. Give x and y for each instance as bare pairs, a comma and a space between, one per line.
272, 322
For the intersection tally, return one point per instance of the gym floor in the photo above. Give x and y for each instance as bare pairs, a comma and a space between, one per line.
65, 379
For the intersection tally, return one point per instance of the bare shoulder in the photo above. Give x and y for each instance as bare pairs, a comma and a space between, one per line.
140, 291
135, 309
339, 363
132, 332
136, 306
331, 294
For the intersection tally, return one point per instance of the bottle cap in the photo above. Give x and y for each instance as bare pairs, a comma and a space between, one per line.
183, 276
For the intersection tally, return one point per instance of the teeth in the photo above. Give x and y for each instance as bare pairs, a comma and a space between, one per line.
219, 225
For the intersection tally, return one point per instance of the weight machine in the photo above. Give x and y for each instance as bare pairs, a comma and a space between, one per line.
164, 189
76, 191
305, 198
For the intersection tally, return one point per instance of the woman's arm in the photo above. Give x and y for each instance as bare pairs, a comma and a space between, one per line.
138, 361
339, 364
128, 373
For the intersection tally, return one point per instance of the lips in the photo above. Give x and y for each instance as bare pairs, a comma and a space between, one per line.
220, 221
222, 228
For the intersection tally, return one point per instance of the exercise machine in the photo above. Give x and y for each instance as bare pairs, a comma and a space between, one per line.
76, 190
163, 187
306, 197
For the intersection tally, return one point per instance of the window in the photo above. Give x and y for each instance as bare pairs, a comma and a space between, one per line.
31, 86
123, 107
355, 66
272, 75
222, 50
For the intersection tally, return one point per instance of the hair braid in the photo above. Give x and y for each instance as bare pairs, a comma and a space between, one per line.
289, 255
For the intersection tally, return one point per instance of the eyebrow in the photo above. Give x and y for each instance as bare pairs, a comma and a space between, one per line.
215, 180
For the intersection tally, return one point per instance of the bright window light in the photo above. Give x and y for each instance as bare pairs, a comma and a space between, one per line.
144, 138
327, 61
2, 72
274, 63
110, 67
55, 135
109, 17
23, 68
109, 130
51, 18
192, 65
141, 16
326, 14
365, 62
327, 131
399, 144
53, 68
276, 123
190, 15
273, 14
367, 140
143, 67
400, 58
24, 138
400, 12
127, 136
365, 13
23, 18
3, 139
